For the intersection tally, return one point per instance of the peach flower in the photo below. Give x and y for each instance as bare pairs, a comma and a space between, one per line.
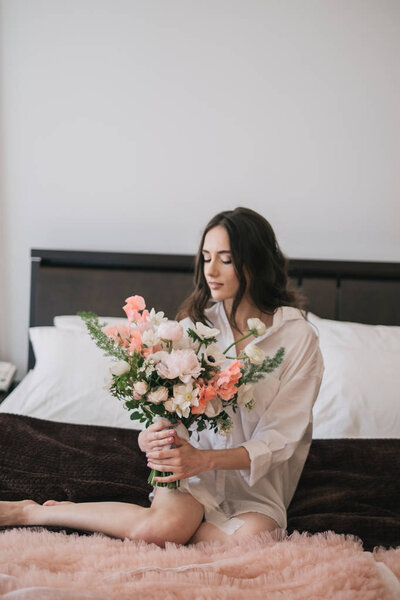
226, 382
133, 305
206, 394
136, 340
146, 352
121, 334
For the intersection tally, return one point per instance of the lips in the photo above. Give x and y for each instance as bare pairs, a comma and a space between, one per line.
214, 285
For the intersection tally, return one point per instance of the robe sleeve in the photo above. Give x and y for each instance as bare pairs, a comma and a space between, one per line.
283, 424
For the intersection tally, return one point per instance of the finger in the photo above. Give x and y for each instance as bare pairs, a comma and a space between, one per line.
161, 445
168, 441
163, 454
159, 425
164, 468
164, 433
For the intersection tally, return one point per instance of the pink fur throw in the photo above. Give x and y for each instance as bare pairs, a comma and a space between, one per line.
39, 564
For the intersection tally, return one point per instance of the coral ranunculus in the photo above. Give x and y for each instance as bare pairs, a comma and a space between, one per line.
206, 394
133, 305
121, 334
226, 382
136, 302
136, 340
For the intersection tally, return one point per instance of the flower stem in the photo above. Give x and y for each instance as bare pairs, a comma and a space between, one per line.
251, 332
172, 485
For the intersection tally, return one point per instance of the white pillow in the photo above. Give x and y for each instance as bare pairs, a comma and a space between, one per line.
75, 323
359, 395
67, 383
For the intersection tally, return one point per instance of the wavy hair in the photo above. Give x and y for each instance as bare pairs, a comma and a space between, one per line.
254, 250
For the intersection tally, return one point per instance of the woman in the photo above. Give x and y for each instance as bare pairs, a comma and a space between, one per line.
239, 484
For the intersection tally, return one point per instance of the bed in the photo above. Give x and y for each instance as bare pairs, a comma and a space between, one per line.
64, 438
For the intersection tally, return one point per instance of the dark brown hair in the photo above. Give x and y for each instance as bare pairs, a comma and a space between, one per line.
253, 248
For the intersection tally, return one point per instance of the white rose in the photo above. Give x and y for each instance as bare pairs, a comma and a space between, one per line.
205, 332
245, 394
213, 408
119, 368
140, 387
158, 395
255, 354
257, 326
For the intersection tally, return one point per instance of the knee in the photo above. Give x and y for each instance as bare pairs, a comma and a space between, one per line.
255, 524
159, 528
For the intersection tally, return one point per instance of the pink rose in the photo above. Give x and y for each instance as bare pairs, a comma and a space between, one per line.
158, 395
180, 363
141, 387
171, 330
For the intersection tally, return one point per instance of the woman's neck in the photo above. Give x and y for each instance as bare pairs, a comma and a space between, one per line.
246, 310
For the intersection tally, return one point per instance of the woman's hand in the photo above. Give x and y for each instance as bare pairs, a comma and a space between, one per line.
182, 461
156, 436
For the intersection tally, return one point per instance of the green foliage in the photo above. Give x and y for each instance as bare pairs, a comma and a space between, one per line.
95, 329
253, 373
203, 342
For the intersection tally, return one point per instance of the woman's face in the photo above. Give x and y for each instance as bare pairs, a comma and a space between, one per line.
218, 266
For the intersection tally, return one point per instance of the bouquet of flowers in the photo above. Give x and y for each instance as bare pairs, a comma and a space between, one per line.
160, 370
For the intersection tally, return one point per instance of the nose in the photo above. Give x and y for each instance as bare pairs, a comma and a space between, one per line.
211, 268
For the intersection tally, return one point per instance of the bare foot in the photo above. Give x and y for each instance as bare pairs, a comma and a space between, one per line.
55, 502
13, 513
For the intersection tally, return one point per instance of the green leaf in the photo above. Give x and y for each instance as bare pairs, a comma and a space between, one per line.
95, 330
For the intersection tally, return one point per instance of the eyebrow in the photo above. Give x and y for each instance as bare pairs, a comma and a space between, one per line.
219, 252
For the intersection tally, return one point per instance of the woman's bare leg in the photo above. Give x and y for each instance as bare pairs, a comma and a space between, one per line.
174, 516
253, 523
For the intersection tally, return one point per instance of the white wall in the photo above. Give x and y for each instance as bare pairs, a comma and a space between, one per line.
127, 124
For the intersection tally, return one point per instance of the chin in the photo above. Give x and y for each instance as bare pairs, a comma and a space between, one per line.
219, 295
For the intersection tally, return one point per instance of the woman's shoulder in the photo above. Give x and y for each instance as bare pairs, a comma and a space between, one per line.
293, 322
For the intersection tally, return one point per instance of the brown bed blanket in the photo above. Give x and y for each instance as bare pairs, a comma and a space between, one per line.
347, 486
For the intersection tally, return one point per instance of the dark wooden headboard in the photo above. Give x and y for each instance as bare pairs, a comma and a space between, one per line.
65, 282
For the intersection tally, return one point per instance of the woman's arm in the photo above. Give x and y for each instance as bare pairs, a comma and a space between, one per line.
282, 427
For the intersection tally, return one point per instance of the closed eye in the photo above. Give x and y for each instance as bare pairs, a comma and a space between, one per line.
225, 262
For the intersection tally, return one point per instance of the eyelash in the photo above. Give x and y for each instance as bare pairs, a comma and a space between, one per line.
225, 262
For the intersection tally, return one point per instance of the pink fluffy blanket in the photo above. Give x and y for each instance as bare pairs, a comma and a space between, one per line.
39, 564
